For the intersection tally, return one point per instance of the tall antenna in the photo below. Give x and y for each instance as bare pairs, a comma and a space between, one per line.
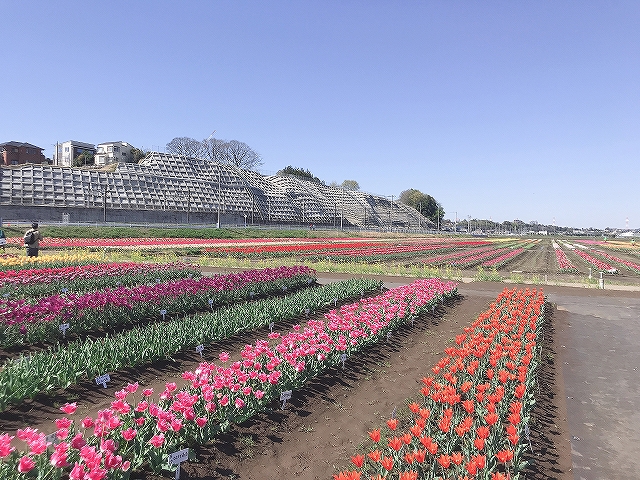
627, 223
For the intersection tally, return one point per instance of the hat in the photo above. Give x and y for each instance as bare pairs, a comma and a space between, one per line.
34, 225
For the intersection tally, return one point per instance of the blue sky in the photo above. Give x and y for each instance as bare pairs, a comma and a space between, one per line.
502, 110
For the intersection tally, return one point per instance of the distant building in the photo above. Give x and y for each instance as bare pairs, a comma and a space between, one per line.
113, 152
16, 153
66, 152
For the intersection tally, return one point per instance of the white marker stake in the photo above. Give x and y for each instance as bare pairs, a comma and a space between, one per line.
388, 336
284, 396
211, 304
64, 290
335, 302
271, 327
251, 294
343, 358
103, 379
157, 280
63, 329
306, 312
199, 350
52, 438
433, 309
176, 458
284, 289
163, 313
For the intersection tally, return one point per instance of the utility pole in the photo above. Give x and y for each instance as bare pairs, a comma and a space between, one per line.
219, 191
104, 204
341, 208
188, 204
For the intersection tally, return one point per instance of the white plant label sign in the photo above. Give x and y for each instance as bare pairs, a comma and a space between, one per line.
103, 379
343, 358
284, 396
176, 458
199, 349
63, 329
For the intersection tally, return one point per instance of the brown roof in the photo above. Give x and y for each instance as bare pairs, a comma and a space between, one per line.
19, 144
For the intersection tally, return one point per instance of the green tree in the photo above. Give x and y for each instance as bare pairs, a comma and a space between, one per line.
85, 158
136, 155
299, 172
425, 204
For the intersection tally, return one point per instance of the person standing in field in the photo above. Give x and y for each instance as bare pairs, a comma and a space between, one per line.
32, 240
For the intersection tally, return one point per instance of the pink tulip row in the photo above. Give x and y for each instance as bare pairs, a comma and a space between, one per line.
99, 306
457, 255
392, 249
137, 431
563, 262
82, 272
473, 259
502, 259
600, 265
630, 265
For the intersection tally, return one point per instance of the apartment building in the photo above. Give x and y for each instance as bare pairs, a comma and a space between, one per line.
66, 152
113, 152
16, 153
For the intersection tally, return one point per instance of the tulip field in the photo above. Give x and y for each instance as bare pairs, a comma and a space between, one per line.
453, 257
86, 340
142, 427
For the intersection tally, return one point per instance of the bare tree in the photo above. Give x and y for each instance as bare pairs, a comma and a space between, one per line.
186, 146
351, 185
242, 156
215, 149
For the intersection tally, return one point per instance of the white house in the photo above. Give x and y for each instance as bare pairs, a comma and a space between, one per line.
113, 152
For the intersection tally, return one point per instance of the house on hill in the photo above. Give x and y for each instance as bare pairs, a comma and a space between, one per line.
17, 153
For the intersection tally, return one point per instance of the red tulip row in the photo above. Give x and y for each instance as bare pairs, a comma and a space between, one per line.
135, 241
471, 420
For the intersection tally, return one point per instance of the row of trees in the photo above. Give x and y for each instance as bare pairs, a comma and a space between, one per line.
230, 152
